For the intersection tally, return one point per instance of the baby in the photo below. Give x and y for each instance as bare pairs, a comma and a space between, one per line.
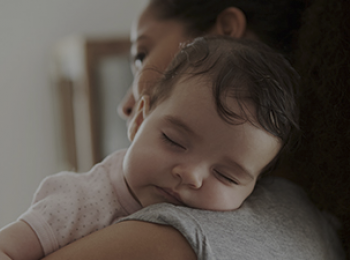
221, 116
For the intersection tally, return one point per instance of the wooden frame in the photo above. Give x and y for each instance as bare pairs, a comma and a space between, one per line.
76, 61
95, 51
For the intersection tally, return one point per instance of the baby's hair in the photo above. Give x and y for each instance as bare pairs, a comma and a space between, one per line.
245, 70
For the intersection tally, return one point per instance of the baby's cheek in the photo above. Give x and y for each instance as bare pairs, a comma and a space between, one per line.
233, 198
219, 197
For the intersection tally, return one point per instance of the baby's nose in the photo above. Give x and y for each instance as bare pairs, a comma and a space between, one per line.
192, 176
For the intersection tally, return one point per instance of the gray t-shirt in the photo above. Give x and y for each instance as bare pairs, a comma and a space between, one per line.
276, 222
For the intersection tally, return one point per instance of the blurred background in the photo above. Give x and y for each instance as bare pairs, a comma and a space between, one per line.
63, 70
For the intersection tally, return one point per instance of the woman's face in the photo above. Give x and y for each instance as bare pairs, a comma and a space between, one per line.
154, 44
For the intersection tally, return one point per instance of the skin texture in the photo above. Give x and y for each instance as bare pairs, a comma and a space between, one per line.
177, 156
119, 242
18, 241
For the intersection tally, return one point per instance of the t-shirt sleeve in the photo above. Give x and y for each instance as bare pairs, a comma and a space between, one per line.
276, 222
182, 220
68, 206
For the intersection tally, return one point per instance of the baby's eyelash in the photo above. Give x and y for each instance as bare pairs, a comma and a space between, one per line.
172, 142
226, 178
169, 141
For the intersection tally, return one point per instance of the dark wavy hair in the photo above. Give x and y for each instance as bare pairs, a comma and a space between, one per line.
322, 163
275, 22
247, 71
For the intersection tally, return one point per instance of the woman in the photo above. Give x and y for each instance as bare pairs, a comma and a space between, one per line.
155, 40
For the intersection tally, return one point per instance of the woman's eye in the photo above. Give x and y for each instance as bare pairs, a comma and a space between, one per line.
225, 178
138, 60
171, 142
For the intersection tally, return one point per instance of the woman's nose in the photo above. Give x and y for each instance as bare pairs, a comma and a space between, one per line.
126, 106
192, 176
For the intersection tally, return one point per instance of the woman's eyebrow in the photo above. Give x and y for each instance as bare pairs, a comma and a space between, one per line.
136, 41
140, 38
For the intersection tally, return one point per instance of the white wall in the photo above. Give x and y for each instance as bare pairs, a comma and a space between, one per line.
28, 134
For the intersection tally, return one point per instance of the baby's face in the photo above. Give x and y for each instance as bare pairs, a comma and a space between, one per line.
184, 153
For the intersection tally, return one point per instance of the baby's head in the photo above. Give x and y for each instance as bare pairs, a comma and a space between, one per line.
221, 116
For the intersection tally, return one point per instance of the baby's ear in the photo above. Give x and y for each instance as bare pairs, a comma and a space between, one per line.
142, 109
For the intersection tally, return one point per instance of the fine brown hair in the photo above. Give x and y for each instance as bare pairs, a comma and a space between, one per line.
246, 71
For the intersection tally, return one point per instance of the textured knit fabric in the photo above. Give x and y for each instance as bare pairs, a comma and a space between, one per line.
276, 222
68, 206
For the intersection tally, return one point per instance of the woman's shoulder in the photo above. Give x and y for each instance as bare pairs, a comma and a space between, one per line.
276, 222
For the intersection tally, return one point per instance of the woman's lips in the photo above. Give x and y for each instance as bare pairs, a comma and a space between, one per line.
171, 196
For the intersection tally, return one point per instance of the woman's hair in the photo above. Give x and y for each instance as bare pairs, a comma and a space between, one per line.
275, 22
246, 70
322, 162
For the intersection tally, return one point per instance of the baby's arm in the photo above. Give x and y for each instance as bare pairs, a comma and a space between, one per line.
19, 242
